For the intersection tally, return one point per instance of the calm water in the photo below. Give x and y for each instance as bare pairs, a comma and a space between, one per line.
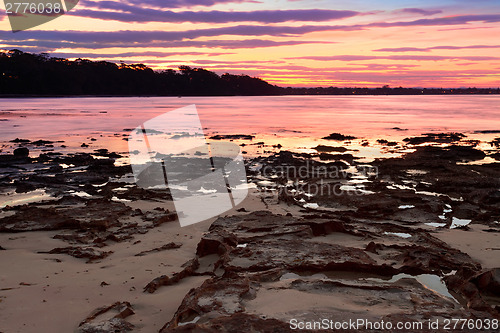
296, 122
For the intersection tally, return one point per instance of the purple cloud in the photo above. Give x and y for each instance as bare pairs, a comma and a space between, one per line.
394, 57
127, 37
127, 13
402, 49
132, 54
451, 20
282, 68
419, 11
183, 3
49, 45
427, 49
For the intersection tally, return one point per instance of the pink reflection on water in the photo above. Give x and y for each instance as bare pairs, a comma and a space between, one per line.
295, 122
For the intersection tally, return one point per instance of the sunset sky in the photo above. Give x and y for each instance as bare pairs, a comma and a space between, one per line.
450, 43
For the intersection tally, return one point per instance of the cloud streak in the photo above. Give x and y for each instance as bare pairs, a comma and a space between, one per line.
427, 49
133, 54
52, 44
126, 13
183, 3
418, 11
449, 20
129, 36
394, 57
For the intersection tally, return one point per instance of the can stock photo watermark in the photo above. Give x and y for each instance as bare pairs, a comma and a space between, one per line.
204, 179
26, 14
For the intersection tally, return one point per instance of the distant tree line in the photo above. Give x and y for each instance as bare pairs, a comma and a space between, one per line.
39, 74
28, 74
386, 90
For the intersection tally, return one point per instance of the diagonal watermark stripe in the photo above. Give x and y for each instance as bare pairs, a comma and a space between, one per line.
204, 179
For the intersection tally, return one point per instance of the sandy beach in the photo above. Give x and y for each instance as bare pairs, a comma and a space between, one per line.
416, 241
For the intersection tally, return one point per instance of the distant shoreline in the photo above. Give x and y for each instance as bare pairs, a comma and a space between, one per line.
430, 93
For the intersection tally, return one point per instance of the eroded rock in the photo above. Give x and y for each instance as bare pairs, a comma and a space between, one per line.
218, 296
117, 323
168, 246
235, 323
189, 270
90, 253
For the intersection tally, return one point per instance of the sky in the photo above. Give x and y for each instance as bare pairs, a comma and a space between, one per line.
300, 43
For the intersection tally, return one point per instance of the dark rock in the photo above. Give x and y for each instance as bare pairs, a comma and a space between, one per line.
235, 323
23, 187
215, 244
227, 232
96, 214
322, 227
328, 149
81, 252
232, 137
488, 131
461, 284
105, 153
189, 270
21, 152
168, 246
339, 137
273, 241
219, 296
290, 166
373, 247
336, 157
298, 255
17, 140
489, 282
496, 142
387, 143
462, 153
435, 137
79, 159
431, 257
93, 324
42, 143
34, 219
434, 157
6, 160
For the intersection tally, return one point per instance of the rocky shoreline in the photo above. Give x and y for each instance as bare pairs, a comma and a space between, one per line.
414, 238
